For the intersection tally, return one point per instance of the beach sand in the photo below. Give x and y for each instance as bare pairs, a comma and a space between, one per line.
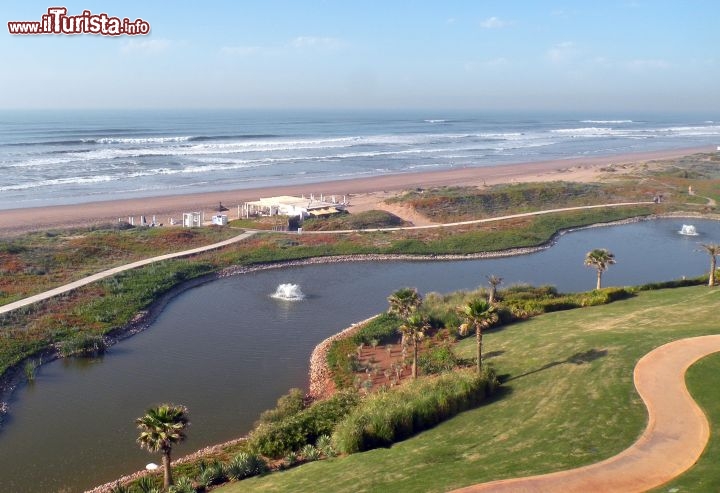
363, 193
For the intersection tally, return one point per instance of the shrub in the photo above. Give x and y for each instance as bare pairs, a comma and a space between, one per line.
279, 438
439, 359
182, 485
310, 453
388, 417
211, 474
245, 465
289, 404
83, 345
147, 484
325, 446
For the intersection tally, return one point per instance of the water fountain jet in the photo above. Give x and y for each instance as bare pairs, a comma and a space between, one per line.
289, 292
688, 230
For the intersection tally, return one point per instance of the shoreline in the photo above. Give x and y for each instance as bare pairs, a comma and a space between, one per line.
361, 190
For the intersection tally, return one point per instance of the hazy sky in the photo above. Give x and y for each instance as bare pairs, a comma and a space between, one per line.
642, 55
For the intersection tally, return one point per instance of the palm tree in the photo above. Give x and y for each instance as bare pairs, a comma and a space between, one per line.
404, 301
713, 249
414, 327
478, 314
494, 282
600, 259
160, 428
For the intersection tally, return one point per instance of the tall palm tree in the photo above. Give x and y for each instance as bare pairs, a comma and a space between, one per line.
600, 259
404, 301
494, 282
160, 428
713, 249
414, 328
478, 315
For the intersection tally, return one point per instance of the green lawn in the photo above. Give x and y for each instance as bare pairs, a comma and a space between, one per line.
568, 400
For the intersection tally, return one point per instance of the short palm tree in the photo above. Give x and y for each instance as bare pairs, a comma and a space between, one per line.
478, 314
713, 249
494, 282
160, 428
404, 301
414, 328
600, 259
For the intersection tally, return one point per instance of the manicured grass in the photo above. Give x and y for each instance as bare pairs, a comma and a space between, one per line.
568, 400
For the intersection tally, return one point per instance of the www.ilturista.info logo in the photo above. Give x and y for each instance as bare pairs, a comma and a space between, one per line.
56, 21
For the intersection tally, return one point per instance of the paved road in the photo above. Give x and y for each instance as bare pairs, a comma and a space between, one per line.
110, 272
675, 436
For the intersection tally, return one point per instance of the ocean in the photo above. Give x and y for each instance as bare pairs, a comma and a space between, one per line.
69, 157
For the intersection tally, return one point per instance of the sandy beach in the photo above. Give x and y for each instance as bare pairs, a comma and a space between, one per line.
362, 193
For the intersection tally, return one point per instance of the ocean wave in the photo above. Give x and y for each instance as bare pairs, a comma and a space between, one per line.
696, 130
585, 131
606, 122
138, 140
435, 121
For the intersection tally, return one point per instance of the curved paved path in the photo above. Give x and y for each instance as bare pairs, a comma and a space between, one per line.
110, 272
675, 436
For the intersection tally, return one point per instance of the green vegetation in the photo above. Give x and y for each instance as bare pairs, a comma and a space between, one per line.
713, 250
82, 345
294, 430
361, 220
477, 314
160, 428
599, 259
36, 262
460, 203
562, 373
387, 417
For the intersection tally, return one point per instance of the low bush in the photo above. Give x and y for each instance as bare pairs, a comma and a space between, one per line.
388, 417
361, 220
82, 345
212, 474
245, 465
289, 404
437, 360
278, 439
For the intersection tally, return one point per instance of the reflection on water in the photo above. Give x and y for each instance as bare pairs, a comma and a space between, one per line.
228, 350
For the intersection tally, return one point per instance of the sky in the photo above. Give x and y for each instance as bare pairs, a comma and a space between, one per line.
633, 55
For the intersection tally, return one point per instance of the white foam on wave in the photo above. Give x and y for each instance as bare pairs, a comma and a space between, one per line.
435, 121
139, 140
606, 122
585, 131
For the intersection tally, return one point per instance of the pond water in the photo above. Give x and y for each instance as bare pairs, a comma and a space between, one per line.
228, 349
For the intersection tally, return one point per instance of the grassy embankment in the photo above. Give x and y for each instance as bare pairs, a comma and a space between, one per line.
564, 373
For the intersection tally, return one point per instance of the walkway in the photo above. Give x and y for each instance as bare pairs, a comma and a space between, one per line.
110, 272
480, 221
675, 436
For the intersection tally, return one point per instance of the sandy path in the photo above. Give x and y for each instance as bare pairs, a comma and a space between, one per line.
675, 436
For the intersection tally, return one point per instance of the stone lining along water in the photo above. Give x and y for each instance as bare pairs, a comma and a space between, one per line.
228, 350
